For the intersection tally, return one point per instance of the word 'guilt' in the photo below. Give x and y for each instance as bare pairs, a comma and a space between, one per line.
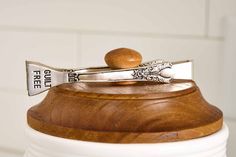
47, 78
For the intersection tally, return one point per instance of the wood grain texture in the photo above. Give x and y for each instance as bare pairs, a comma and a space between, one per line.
122, 58
144, 112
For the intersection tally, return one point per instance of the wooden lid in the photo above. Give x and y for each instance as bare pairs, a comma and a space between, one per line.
143, 112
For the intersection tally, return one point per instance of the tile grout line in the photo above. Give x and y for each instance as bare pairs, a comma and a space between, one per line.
207, 17
13, 90
11, 151
230, 118
103, 32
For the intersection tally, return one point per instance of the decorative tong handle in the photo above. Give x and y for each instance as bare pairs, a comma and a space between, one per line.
41, 77
127, 63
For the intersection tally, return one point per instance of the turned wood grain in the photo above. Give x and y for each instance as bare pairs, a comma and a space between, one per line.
145, 112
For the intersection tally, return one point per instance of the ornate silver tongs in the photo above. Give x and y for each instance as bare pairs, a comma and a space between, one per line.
41, 77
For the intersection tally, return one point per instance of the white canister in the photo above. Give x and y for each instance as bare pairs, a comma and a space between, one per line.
43, 145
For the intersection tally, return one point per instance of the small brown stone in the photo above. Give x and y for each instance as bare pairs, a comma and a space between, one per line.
123, 58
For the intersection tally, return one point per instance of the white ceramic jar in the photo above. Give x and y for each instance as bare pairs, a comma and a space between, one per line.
43, 145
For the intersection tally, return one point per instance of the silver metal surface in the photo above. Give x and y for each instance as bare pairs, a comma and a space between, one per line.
41, 77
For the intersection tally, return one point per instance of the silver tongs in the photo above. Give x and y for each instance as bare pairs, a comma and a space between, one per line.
41, 77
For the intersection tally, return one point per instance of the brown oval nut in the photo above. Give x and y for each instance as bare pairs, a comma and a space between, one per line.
122, 58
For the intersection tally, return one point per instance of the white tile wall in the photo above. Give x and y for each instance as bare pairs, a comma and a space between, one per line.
49, 48
69, 33
232, 137
13, 107
219, 9
151, 16
228, 83
10, 154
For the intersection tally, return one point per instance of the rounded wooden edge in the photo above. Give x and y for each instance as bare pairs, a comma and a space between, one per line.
121, 58
67, 89
124, 137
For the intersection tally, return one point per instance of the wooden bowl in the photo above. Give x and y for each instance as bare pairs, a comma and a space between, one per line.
145, 112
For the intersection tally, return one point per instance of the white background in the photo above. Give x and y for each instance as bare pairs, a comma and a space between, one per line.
77, 33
